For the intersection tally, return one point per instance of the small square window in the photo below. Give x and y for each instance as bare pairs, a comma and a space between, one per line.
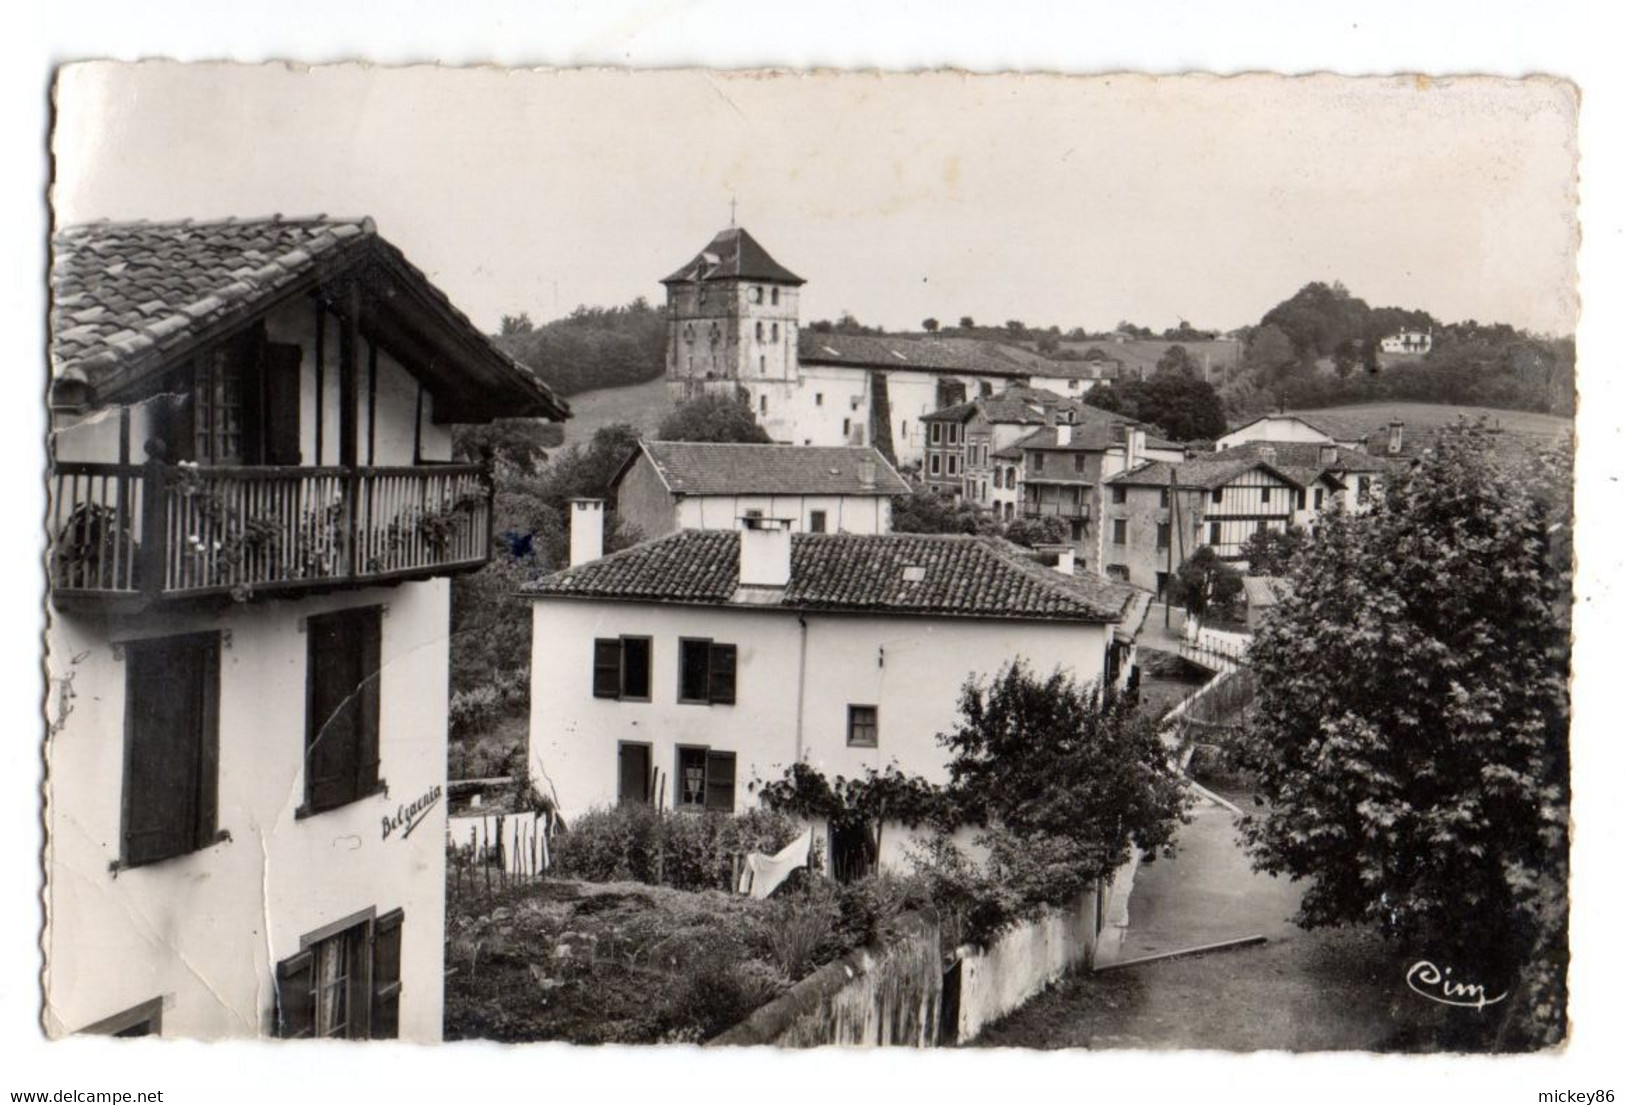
817, 521
1120, 531
1119, 495
863, 726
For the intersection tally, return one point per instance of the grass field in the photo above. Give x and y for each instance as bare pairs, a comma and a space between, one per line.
643, 405
1426, 417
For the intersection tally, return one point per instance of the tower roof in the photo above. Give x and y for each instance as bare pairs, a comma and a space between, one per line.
733, 255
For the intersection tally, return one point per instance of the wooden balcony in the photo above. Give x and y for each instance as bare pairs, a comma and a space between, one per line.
1051, 508
131, 535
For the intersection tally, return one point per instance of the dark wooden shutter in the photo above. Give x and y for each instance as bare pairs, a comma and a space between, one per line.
606, 668
724, 673
371, 631
386, 976
634, 774
170, 774
333, 713
719, 781
280, 416
296, 996
171, 415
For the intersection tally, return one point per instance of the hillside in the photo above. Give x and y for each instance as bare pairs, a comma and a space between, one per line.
1431, 417
1139, 357
643, 405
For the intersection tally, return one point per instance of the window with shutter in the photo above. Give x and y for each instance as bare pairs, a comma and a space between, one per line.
281, 400
171, 733
690, 789
385, 1020
343, 660
719, 781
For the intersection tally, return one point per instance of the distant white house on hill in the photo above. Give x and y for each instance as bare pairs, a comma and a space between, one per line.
686, 669
672, 485
1408, 341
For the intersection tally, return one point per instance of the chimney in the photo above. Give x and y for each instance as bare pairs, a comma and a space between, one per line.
1066, 561
1328, 454
1396, 437
586, 530
1266, 453
1063, 434
764, 552
866, 474
1136, 446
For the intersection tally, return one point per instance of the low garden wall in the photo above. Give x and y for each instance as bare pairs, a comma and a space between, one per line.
1020, 963
889, 995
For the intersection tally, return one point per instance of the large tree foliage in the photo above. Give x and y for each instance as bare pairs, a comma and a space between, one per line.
1271, 552
1175, 399
595, 347
1411, 735
716, 418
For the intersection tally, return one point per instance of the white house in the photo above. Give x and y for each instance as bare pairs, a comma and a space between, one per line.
253, 515
671, 485
691, 667
1409, 341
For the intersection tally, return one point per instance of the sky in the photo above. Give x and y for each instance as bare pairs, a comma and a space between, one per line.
1053, 200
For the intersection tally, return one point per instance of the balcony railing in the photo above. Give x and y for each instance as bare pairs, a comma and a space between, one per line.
152, 531
1052, 509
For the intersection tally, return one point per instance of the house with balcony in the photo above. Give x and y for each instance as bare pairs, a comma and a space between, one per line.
672, 485
254, 514
1155, 515
685, 669
1064, 465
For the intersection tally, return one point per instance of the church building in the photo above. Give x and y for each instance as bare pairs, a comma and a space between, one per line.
734, 328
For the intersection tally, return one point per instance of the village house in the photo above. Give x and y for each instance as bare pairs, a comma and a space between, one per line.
254, 512
1345, 446
962, 439
672, 485
1157, 514
688, 669
734, 328
1414, 342
1063, 466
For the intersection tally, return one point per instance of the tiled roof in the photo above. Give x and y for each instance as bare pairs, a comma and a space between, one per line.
959, 412
132, 297
1208, 472
979, 358
1262, 590
696, 468
1087, 437
958, 576
734, 255
1306, 454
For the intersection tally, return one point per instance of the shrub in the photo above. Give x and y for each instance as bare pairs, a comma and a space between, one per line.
474, 711
798, 929
688, 851
715, 994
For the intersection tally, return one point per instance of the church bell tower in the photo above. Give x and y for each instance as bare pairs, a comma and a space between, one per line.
732, 316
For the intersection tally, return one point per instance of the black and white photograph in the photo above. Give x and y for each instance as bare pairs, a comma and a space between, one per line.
694, 559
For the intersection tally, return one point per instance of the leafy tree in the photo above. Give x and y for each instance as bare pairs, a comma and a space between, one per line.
1048, 344
930, 512
966, 322
1204, 584
1271, 552
1177, 361
1045, 530
517, 445
718, 418
1015, 328
1177, 402
595, 347
931, 326
1063, 785
1410, 743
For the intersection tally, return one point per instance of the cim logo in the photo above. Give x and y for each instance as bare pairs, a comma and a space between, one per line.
407, 817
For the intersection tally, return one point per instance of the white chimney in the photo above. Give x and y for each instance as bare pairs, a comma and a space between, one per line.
764, 552
1396, 436
866, 474
1135, 446
586, 530
1063, 434
1328, 454
1066, 561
